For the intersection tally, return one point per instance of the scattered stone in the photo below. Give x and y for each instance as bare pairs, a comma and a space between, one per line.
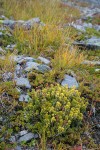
18, 70
88, 62
31, 65
7, 76
30, 23
24, 97
44, 60
70, 81
43, 68
27, 137
21, 133
26, 59
12, 139
22, 82
92, 43
20, 23
3, 17
11, 47
16, 58
9, 23
18, 148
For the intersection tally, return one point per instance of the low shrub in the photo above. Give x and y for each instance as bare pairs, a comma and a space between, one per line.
51, 111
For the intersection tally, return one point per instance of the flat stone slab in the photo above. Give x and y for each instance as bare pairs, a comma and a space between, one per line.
44, 60
22, 82
27, 137
70, 81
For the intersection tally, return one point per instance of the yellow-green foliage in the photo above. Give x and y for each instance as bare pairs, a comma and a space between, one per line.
38, 39
47, 10
7, 64
52, 110
9, 88
66, 58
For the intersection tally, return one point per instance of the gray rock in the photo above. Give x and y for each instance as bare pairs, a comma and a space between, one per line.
88, 62
3, 17
26, 24
92, 43
21, 133
44, 60
24, 97
70, 81
16, 58
22, 82
30, 59
27, 137
30, 23
31, 65
9, 23
11, 47
43, 68
12, 139
18, 148
18, 70
7, 76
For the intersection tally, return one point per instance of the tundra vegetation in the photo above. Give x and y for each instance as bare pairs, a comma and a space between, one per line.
55, 112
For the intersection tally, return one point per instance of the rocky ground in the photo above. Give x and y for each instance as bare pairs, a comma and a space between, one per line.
26, 64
